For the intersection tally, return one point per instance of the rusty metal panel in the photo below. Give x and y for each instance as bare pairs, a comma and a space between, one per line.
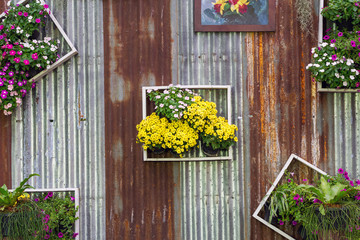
139, 195
59, 132
285, 115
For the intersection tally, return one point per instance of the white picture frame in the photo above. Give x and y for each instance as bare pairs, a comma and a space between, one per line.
64, 58
228, 116
292, 158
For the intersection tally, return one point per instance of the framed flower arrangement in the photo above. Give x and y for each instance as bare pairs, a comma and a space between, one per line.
234, 15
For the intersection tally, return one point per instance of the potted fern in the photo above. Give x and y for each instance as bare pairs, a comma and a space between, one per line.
327, 208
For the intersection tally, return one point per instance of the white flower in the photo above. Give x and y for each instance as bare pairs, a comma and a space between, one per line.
342, 77
148, 91
176, 116
30, 18
166, 92
171, 107
53, 49
324, 44
353, 70
320, 60
27, 6
42, 46
179, 95
167, 97
357, 73
352, 77
316, 65
34, 41
345, 83
157, 97
27, 35
32, 47
48, 66
161, 105
321, 70
38, 65
332, 45
187, 98
45, 57
313, 50
337, 75
325, 54
48, 62
315, 55
327, 63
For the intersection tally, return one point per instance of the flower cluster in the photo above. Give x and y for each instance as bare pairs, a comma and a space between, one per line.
58, 215
320, 205
171, 102
151, 132
155, 132
21, 56
180, 119
336, 60
199, 113
228, 7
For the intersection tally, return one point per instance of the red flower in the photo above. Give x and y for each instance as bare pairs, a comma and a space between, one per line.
243, 8
217, 7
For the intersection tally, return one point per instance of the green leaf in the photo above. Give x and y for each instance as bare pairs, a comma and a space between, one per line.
322, 210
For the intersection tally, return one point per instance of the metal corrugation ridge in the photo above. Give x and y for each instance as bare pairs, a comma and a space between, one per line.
59, 132
212, 201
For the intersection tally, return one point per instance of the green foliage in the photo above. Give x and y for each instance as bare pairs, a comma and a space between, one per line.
342, 10
172, 102
331, 206
59, 215
9, 199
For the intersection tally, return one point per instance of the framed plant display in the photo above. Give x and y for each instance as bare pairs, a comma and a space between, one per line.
335, 64
27, 51
186, 123
306, 203
234, 15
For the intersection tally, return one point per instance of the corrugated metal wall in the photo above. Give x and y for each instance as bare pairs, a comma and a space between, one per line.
60, 131
213, 201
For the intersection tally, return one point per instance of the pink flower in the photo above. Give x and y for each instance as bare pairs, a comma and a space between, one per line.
26, 14
19, 13
26, 62
38, 20
46, 6
34, 56
12, 53
74, 235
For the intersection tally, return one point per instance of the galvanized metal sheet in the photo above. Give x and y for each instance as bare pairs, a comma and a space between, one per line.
59, 132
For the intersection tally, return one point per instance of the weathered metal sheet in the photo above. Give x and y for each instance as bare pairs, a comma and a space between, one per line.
139, 195
59, 132
284, 112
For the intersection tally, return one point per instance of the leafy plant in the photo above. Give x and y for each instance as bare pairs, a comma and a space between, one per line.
330, 206
21, 55
342, 10
58, 215
9, 199
336, 60
172, 102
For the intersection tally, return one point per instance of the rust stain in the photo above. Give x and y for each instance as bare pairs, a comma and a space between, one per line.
281, 104
137, 43
5, 139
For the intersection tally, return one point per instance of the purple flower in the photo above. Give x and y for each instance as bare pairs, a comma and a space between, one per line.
353, 44
38, 20
326, 37
47, 236
19, 13
72, 198
305, 180
281, 222
293, 223
340, 34
343, 189
74, 235
25, 14
60, 235
36, 199
289, 180
346, 173
352, 183
334, 57
340, 170
50, 194
317, 201
45, 220
296, 197
333, 41
358, 182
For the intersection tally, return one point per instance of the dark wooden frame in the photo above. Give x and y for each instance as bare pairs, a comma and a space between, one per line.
198, 27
